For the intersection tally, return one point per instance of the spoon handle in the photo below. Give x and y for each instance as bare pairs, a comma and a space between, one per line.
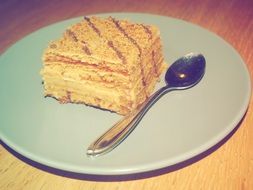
119, 131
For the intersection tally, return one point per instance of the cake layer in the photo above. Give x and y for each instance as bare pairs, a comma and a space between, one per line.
77, 80
80, 72
79, 75
69, 91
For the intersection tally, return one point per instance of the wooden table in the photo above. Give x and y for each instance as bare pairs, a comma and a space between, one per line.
228, 167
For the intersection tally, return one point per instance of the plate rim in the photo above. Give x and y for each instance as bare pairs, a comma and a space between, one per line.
216, 139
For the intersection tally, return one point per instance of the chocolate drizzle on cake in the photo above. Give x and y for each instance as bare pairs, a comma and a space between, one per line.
53, 46
85, 48
72, 35
147, 30
92, 25
119, 54
154, 64
117, 24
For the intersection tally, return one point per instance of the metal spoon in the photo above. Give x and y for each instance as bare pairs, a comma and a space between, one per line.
184, 73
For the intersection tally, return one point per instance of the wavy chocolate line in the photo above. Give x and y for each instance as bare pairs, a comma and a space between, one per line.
92, 25
147, 30
117, 24
154, 63
53, 46
72, 35
119, 54
85, 48
155, 60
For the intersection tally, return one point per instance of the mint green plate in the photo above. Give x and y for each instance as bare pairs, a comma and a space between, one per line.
180, 126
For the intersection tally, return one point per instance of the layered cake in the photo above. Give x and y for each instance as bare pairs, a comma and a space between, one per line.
104, 62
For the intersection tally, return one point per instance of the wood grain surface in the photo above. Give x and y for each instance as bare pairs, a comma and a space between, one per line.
230, 167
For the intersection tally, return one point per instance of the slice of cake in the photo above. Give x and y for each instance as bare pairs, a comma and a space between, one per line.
103, 62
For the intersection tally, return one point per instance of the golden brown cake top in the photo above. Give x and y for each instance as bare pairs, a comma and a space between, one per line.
96, 39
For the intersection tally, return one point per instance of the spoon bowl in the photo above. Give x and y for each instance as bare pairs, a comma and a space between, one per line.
184, 73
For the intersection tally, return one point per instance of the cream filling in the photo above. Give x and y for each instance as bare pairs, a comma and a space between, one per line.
87, 88
72, 80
